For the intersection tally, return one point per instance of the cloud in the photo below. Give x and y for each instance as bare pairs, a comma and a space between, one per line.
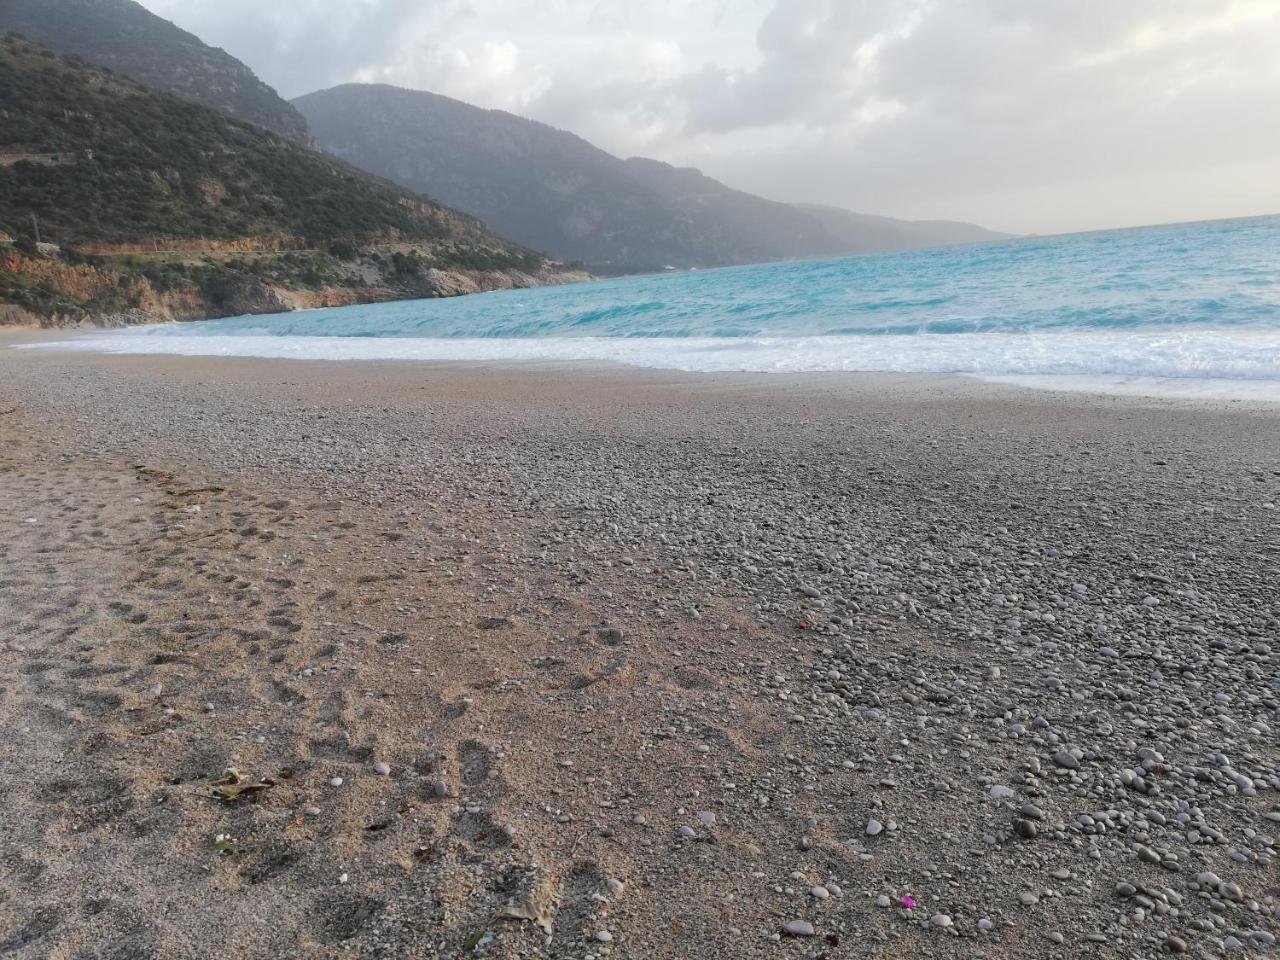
1029, 114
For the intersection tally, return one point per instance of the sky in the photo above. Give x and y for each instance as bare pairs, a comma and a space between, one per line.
1033, 116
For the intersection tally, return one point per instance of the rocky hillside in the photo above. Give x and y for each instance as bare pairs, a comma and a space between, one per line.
129, 39
556, 192
123, 202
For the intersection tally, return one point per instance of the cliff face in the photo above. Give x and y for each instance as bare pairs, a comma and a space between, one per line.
45, 290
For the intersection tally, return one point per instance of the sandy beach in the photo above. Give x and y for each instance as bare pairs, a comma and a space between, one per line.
308, 659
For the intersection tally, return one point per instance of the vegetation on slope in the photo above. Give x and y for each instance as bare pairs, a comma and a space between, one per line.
155, 207
129, 39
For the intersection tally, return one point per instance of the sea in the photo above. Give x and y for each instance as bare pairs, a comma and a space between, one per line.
1185, 309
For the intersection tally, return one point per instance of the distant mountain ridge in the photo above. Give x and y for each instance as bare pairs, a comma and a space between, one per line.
552, 190
126, 37
868, 233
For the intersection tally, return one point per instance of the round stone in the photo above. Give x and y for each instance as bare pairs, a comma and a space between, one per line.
382, 769
798, 928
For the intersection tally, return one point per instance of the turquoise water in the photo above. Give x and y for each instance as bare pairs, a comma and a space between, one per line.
1193, 300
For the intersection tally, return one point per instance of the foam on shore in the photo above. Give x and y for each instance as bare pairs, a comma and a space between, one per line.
1193, 363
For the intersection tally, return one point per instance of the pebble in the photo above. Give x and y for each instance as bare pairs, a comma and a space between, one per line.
874, 828
603, 936
940, 920
382, 769
1066, 759
798, 928
335, 781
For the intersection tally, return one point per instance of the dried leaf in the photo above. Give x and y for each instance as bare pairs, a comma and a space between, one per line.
233, 785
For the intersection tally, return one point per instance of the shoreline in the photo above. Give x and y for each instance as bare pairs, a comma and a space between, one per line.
643, 652
1238, 393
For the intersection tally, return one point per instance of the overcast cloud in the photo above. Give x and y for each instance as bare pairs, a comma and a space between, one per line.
1025, 115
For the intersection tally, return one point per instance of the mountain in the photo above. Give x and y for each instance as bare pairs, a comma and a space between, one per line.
744, 228
129, 39
555, 191
139, 195
866, 233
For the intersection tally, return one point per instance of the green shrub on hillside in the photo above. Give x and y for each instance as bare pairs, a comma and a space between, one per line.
119, 163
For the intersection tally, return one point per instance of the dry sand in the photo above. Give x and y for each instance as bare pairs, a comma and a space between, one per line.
629, 664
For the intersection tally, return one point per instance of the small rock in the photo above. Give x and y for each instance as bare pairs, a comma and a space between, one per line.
1066, 759
798, 928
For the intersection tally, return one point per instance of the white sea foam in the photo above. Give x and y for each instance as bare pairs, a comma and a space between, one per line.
1232, 362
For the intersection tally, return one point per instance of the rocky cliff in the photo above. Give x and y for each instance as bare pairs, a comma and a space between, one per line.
45, 289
